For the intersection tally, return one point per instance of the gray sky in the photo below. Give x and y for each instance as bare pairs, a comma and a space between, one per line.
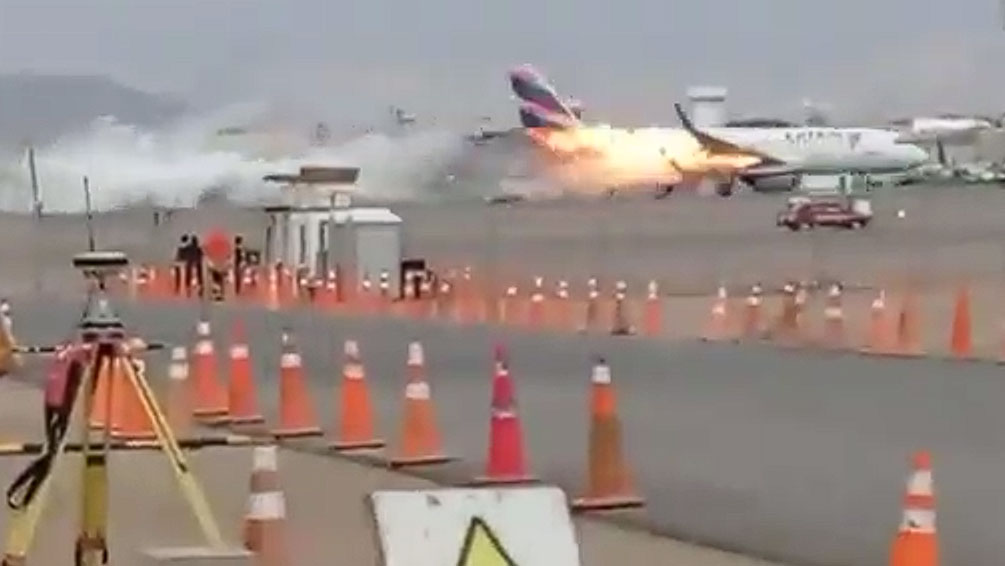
627, 60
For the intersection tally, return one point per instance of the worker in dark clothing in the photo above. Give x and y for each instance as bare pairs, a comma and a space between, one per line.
180, 264
198, 267
239, 261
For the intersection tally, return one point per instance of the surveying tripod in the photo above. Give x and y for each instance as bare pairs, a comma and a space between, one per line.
105, 352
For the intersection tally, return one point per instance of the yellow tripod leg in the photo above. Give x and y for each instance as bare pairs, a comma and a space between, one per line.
169, 445
91, 548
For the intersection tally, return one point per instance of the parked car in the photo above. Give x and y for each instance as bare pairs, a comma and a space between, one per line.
802, 213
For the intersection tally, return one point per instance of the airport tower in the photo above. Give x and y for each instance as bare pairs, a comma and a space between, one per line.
708, 105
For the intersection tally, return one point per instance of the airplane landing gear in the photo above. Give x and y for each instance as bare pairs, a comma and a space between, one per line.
663, 191
726, 188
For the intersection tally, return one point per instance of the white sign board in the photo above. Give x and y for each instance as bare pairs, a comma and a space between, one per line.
527, 526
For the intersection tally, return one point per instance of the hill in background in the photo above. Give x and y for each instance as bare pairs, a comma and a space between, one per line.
40, 107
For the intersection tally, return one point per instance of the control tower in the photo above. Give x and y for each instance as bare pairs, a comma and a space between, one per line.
708, 105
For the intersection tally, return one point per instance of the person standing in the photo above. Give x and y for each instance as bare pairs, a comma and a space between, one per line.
239, 263
198, 259
181, 265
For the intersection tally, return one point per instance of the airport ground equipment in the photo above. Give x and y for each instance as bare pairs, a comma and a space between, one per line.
102, 337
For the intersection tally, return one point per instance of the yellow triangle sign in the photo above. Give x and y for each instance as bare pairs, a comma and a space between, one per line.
481, 547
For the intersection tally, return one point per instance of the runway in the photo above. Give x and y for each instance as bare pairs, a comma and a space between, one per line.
798, 457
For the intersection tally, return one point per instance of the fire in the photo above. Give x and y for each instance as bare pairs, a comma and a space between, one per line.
618, 156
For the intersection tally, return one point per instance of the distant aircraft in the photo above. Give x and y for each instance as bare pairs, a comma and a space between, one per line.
401, 117
943, 128
668, 157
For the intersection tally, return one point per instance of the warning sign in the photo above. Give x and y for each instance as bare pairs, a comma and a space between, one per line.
481, 547
527, 526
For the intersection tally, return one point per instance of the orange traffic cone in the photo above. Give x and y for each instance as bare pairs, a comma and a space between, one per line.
242, 405
108, 398
265, 520
420, 437
961, 341
834, 334
881, 338
536, 309
717, 328
136, 423
653, 311
355, 426
609, 485
752, 315
210, 396
916, 543
506, 463
179, 394
296, 413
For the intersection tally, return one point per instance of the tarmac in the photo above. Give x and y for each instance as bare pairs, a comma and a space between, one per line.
794, 456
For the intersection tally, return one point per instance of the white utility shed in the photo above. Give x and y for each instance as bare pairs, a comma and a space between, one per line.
365, 241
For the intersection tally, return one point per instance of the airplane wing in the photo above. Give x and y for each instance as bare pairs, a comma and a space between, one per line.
718, 145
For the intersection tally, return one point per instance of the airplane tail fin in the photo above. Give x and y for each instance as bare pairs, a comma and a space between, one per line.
541, 107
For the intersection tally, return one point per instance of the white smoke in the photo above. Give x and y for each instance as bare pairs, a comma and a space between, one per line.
174, 166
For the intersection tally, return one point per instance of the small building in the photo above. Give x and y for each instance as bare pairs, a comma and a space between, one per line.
316, 230
708, 105
361, 241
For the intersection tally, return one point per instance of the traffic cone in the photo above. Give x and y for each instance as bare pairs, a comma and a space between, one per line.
355, 425
834, 334
609, 485
916, 543
10, 359
881, 338
420, 438
717, 327
296, 413
136, 423
242, 398
179, 394
109, 398
561, 318
653, 311
591, 315
961, 341
264, 530
621, 324
535, 311
506, 462
210, 403
752, 318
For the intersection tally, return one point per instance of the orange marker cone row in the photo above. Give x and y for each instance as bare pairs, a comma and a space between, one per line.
420, 438
506, 462
210, 396
609, 485
242, 406
355, 426
265, 519
916, 543
296, 413
136, 423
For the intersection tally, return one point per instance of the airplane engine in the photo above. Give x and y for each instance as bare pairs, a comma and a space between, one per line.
774, 184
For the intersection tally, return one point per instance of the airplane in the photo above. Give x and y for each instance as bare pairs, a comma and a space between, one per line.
670, 157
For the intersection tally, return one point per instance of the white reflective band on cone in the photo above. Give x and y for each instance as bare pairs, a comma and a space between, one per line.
503, 414
833, 312
178, 371
202, 328
601, 374
417, 391
918, 521
179, 355
203, 347
239, 352
290, 360
415, 354
719, 309
265, 458
351, 349
920, 483
353, 371
264, 506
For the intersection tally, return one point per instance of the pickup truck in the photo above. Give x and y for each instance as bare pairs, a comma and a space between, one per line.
801, 213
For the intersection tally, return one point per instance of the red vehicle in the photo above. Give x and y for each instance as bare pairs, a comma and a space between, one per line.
801, 212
